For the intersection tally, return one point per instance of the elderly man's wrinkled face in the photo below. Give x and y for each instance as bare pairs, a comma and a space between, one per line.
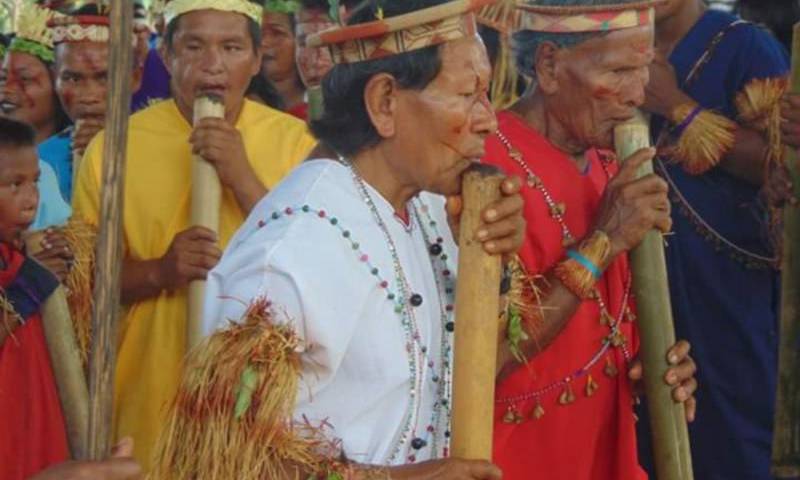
598, 84
445, 125
212, 54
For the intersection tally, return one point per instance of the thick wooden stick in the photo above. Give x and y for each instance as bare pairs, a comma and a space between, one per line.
73, 392
206, 199
109, 239
656, 329
68, 370
477, 310
786, 435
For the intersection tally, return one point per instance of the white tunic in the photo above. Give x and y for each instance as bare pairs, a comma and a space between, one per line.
358, 374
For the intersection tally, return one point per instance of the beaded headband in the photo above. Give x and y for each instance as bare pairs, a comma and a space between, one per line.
176, 8
586, 18
31, 33
403, 33
81, 28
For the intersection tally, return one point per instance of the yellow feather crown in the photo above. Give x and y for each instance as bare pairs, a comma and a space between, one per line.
176, 8
31, 24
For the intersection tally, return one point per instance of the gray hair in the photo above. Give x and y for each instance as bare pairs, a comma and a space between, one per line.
525, 43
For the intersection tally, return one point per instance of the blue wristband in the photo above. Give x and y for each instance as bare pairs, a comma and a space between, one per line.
578, 257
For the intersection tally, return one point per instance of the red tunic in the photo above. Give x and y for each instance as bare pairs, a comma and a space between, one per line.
32, 436
592, 437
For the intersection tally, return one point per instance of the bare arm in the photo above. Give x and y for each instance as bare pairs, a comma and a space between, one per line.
140, 280
557, 308
191, 255
747, 160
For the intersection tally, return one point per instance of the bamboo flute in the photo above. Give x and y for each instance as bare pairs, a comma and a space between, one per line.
59, 333
477, 310
786, 434
206, 199
105, 314
670, 432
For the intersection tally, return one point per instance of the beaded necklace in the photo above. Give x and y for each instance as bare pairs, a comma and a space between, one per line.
418, 354
614, 339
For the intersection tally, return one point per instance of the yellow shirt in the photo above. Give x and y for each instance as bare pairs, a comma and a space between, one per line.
157, 204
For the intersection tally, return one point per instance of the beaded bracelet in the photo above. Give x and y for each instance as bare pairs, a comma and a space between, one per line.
581, 269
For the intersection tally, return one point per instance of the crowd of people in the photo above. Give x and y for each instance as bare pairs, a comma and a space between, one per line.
347, 128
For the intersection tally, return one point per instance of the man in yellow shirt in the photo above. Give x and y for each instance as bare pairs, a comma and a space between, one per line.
210, 50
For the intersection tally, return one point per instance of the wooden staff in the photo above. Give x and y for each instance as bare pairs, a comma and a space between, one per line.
656, 329
477, 309
105, 314
786, 436
206, 200
77, 157
316, 104
65, 360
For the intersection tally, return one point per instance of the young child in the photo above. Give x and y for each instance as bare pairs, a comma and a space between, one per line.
33, 435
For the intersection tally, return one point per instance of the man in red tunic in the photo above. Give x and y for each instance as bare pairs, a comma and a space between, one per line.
567, 414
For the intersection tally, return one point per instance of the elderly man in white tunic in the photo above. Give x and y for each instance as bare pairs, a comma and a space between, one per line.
357, 253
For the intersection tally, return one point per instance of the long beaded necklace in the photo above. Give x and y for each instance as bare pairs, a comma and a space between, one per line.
418, 354
615, 338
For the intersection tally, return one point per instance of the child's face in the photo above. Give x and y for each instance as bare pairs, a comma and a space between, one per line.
19, 193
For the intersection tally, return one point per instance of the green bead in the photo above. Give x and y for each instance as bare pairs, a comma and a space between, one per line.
398, 308
346, 234
390, 296
374, 271
355, 245
306, 208
275, 215
334, 221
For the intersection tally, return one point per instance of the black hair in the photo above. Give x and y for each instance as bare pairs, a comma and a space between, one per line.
527, 42
264, 89
253, 29
89, 9
14, 133
345, 125
779, 16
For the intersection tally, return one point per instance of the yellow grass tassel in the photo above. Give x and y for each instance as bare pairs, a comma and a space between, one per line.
523, 314
574, 272
704, 141
79, 283
232, 415
758, 105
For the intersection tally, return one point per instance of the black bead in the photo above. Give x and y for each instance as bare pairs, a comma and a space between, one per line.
450, 326
435, 250
447, 433
418, 443
416, 300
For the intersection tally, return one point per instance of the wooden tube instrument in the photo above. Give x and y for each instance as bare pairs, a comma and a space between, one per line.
656, 329
786, 434
73, 391
205, 211
477, 311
